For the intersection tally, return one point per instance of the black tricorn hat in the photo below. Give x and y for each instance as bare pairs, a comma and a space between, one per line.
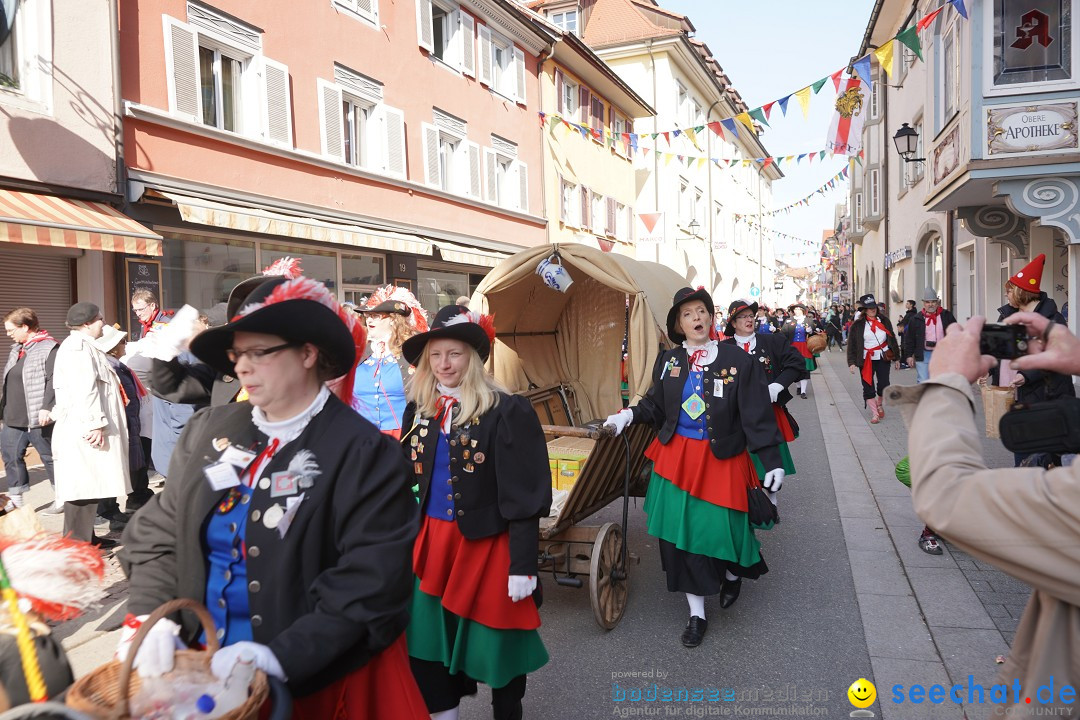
867, 300
456, 323
298, 310
390, 307
682, 296
736, 307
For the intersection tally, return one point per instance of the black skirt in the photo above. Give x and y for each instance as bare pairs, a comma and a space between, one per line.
700, 574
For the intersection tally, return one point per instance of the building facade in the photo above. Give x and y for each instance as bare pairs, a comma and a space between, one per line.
379, 142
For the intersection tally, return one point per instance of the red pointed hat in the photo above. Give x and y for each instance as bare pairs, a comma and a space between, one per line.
1030, 277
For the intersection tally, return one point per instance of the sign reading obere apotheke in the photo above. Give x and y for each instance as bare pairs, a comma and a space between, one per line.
1031, 128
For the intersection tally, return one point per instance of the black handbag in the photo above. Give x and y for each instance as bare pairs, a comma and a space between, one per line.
760, 508
1051, 426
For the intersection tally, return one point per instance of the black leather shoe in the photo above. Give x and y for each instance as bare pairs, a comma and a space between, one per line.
695, 631
104, 543
730, 593
802, 395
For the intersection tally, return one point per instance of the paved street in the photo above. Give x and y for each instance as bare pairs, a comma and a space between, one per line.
849, 594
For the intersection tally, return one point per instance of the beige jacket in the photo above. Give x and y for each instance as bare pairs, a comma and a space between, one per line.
1025, 521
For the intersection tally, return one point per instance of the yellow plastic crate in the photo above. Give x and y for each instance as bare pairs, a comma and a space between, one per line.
568, 473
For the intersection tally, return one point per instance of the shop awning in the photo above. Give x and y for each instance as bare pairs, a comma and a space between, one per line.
37, 219
469, 256
257, 220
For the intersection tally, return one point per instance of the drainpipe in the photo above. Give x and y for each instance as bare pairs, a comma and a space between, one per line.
656, 162
886, 195
543, 57
118, 103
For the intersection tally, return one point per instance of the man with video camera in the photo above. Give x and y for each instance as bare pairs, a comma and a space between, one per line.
1026, 521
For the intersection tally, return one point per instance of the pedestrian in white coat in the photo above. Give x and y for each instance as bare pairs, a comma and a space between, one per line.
90, 443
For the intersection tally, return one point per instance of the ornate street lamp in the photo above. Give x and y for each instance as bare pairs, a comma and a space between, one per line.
906, 140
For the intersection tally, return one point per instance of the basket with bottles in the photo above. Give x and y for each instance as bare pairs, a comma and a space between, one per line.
189, 692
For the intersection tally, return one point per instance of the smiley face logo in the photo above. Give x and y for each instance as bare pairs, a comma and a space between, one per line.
862, 693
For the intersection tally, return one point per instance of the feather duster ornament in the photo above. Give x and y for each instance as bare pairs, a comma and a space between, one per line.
486, 322
287, 267
389, 293
60, 578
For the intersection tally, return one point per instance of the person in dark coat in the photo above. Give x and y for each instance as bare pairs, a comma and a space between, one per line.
872, 350
798, 328
782, 364
479, 458
710, 405
923, 332
288, 516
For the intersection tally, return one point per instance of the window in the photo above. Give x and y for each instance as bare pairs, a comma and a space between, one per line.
682, 101
622, 218
26, 55
567, 20
448, 34
929, 263
366, 9
598, 214
358, 128
914, 171
507, 179
321, 265
875, 99
9, 60
442, 31
365, 270
682, 202
950, 70
858, 212
567, 206
875, 194
567, 95
502, 65
203, 270
452, 163
1034, 42
1004, 266
694, 118
583, 218
218, 76
698, 211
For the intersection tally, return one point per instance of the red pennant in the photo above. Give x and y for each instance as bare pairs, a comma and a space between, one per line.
768, 108
767, 163
925, 21
667, 136
836, 78
715, 126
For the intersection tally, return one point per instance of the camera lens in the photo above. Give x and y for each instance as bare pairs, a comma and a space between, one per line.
1021, 344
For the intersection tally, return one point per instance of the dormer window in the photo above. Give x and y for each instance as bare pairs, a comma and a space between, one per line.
566, 19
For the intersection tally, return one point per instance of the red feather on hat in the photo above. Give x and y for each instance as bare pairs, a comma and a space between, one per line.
486, 322
391, 293
288, 267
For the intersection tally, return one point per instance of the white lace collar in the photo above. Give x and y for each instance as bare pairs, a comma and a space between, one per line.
454, 392
288, 430
751, 338
711, 351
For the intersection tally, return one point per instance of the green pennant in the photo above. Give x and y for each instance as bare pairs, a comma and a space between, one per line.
910, 37
758, 115
819, 84
821, 155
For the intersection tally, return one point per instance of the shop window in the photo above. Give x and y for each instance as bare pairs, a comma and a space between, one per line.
201, 271
362, 270
438, 288
318, 265
1034, 42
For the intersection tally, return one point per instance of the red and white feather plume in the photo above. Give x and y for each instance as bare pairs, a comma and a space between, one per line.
390, 293
60, 578
303, 288
287, 267
486, 322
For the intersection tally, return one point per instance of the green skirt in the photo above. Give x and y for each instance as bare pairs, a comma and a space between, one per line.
785, 456
493, 657
696, 526
811, 364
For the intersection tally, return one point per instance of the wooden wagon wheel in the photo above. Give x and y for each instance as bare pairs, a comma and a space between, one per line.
609, 581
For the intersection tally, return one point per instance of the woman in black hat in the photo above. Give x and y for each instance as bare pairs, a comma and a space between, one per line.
710, 405
798, 328
479, 458
288, 516
392, 315
782, 364
871, 350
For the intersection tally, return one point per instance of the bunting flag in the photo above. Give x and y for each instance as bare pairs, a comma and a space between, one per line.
819, 84
729, 124
836, 79
759, 115
910, 38
830, 184
862, 70
959, 5
746, 120
782, 102
803, 96
852, 107
884, 55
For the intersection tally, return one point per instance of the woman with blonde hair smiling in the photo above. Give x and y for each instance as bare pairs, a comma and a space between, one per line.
479, 458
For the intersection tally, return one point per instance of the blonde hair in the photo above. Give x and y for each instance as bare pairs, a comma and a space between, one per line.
400, 331
479, 391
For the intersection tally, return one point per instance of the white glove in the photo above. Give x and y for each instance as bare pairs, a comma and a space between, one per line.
774, 480
168, 341
774, 391
156, 651
520, 586
620, 420
224, 659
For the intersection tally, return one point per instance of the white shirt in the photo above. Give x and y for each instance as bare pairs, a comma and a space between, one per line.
710, 353
741, 341
872, 338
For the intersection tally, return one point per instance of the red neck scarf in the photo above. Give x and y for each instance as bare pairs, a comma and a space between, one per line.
444, 408
149, 324
696, 357
37, 337
256, 465
867, 367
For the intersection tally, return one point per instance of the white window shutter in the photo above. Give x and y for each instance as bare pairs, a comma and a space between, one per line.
395, 140
485, 54
468, 44
182, 68
277, 106
431, 155
424, 32
523, 186
564, 212
475, 171
332, 122
519, 72
610, 229
366, 7
560, 90
491, 176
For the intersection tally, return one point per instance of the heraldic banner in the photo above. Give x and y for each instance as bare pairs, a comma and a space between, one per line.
852, 107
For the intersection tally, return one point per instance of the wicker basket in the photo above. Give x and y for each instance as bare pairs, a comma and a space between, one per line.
816, 343
106, 691
996, 402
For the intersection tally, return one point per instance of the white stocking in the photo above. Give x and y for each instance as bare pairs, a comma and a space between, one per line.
697, 605
450, 714
730, 576
802, 386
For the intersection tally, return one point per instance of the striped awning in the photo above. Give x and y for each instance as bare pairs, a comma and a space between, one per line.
258, 220
468, 255
49, 220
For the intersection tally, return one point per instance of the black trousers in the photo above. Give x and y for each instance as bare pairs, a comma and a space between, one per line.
443, 691
879, 369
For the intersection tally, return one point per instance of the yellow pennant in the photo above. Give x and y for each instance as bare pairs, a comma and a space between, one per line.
803, 96
746, 120
884, 55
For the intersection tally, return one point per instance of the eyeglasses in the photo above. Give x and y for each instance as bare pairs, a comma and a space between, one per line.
257, 356
140, 309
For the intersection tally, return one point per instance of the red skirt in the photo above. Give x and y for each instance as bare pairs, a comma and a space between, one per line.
783, 423
470, 576
803, 350
384, 688
396, 434
691, 466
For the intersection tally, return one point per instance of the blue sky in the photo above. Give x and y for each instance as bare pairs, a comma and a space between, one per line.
769, 49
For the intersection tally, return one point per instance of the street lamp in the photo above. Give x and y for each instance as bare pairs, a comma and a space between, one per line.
693, 227
906, 140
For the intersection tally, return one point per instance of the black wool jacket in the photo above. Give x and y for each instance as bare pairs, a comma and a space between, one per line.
779, 359
331, 594
856, 350
915, 333
742, 419
499, 474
